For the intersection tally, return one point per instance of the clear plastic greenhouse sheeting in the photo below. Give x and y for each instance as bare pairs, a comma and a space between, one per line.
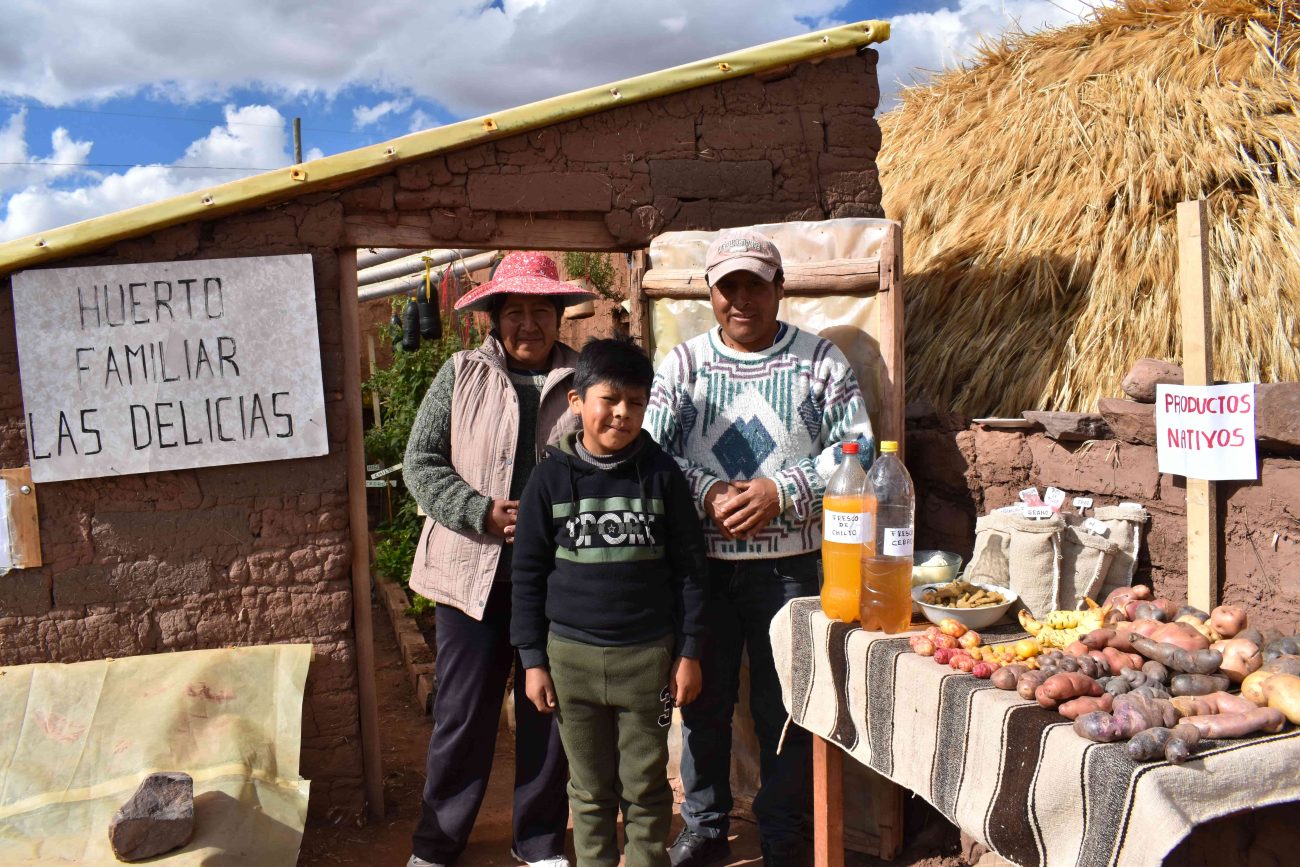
851, 322
76, 740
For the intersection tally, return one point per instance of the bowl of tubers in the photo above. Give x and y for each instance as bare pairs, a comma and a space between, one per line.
972, 604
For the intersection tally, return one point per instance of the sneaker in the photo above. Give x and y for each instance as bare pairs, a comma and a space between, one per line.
417, 861
696, 850
784, 854
554, 861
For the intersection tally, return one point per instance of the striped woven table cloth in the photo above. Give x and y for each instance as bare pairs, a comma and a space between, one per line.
1009, 773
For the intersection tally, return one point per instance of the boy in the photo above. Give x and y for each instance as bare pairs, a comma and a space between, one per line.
609, 594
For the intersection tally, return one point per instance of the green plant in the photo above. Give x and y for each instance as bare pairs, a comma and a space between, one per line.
597, 268
401, 387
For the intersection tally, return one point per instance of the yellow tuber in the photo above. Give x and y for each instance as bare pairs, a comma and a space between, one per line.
1283, 693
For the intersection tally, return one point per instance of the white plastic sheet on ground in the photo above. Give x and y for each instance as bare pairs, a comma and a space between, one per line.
76, 740
851, 322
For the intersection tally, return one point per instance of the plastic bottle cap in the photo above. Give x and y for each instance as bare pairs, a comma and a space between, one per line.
888, 446
850, 448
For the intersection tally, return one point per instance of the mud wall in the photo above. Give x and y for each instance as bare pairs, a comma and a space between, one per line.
962, 472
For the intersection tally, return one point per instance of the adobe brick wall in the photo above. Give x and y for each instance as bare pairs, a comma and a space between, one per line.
963, 472
801, 146
259, 553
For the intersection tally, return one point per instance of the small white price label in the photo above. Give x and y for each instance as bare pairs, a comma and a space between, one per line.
1038, 512
1082, 503
1030, 496
1055, 498
898, 541
1018, 508
1092, 525
843, 527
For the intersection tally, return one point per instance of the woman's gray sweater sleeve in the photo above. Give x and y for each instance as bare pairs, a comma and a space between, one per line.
443, 495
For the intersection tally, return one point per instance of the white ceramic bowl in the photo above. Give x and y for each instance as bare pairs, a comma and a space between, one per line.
945, 571
971, 618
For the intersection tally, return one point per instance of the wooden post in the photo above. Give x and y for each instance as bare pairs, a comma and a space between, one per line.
24, 523
828, 804
1198, 369
638, 324
372, 770
894, 395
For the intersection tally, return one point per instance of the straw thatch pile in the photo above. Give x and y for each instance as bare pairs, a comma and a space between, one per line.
1038, 189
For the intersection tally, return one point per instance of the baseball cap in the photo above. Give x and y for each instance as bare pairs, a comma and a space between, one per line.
741, 250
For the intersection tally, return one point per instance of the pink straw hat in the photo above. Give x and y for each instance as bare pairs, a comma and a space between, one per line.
525, 272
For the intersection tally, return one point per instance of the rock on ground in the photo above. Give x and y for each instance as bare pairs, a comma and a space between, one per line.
158, 818
1146, 373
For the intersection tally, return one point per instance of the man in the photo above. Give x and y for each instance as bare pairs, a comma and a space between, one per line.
752, 410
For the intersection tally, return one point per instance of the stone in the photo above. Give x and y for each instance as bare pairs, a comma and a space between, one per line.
158, 818
1071, 426
1277, 416
1129, 420
1145, 374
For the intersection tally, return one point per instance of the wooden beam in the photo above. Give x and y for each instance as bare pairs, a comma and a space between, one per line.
638, 323
372, 769
894, 391
828, 804
1198, 369
828, 277
24, 522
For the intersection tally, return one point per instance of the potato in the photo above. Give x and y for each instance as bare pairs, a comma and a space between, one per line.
1240, 657
1029, 682
1283, 665
1155, 671
1065, 686
949, 626
1006, 676
1198, 684
1283, 694
1182, 635
1228, 620
1238, 725
1077, 707
1252, 688
1098, 639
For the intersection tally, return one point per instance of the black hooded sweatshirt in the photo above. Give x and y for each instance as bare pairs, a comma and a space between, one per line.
607, 557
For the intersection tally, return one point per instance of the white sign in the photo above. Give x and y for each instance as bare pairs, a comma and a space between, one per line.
162, 366
843, 527
1206, 432
1055, 498
1082, 503
1038, 512
1092, 525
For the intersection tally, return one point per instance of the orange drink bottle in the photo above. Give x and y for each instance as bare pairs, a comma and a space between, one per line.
886, 596
842, 534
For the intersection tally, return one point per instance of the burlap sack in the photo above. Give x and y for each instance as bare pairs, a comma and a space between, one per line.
1021, 553
1125, 525
1085, 564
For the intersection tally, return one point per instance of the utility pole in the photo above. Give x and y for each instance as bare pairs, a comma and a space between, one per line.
297, 141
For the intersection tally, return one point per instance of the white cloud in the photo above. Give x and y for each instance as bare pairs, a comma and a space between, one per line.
925, 42
365, 115
253, 138
18, 168
467, 55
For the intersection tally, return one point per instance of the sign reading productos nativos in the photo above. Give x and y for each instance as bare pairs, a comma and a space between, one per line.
1206, 432
162, 366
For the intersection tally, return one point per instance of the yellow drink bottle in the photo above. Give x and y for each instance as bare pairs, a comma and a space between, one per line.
846, 514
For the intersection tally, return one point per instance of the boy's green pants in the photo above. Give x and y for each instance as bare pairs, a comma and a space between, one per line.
609, 715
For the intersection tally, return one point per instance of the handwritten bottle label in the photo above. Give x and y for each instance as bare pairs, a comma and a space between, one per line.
843, 527
898, 542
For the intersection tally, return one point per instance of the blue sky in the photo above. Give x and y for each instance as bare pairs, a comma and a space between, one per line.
104, 106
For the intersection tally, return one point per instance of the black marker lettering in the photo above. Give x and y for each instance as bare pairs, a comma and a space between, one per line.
221, 430
135, 304
207, 298
275, 411
91, 431
31, 439
80, 366
161, 425
81, 303
159, 302
135, 429
225, 355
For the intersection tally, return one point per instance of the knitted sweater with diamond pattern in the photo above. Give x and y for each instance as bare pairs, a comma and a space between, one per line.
780, 413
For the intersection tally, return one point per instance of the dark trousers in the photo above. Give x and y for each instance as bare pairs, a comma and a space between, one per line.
746, 595
611, 707
473, 663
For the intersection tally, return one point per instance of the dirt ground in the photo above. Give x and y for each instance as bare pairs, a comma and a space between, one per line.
405, 732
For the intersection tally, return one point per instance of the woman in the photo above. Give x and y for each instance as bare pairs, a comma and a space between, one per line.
480, 430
